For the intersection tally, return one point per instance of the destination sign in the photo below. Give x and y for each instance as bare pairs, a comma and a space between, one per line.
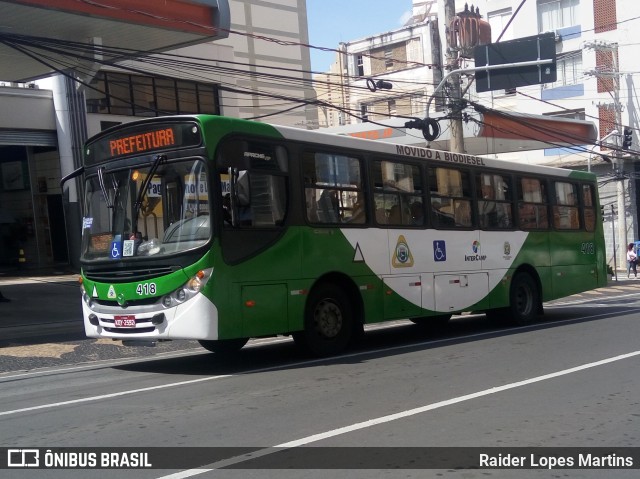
142, 139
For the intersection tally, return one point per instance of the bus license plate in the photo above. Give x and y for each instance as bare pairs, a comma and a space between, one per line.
125, 321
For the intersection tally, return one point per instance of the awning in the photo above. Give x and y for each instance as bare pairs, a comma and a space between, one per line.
139, 25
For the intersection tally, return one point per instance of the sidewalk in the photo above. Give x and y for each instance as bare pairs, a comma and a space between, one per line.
52, 274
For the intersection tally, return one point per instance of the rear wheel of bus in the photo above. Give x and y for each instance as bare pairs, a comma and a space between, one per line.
328, 322
224, 346
524, 301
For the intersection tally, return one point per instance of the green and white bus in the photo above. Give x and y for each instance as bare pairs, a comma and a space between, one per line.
220, 230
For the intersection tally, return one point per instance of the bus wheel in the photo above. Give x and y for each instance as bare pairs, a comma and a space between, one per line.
224, 346
524, 299
432, 322
328, 322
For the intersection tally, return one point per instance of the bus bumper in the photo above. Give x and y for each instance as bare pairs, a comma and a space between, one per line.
193, 319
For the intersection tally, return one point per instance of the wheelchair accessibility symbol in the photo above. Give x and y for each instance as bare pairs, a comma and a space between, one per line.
439, 251
115, 250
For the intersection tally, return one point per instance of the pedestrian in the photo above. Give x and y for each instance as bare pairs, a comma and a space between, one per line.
632, 261
3, 299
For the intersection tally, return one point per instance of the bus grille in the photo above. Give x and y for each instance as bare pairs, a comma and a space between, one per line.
130, 302
130, 330
129, 275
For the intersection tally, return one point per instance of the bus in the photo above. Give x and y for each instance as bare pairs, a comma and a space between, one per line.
220, 230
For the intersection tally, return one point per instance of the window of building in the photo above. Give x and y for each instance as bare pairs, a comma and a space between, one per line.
499, 21
397, 194
360, 65
333, 188
364, 113
450, 197
137, 95
569, 68
119, 98
392, 107
144, 102
388, 59
556, 14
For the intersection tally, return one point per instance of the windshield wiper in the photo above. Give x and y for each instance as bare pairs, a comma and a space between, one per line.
145, 184
107, 198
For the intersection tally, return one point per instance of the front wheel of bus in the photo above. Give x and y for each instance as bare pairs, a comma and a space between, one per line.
328, 322
524, 299
224, 346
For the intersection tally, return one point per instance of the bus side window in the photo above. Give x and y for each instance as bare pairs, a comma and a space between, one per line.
566, 214
398, 193
333, 189
588, 201
532, 204
450, 197
494, 201
257, 173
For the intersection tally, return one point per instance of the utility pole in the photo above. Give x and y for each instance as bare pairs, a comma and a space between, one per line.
448, 8
618, 160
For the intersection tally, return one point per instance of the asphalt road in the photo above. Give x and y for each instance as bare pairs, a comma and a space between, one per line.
569, 381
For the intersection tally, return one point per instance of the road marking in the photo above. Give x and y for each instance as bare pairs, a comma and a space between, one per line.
394, 417
113, 395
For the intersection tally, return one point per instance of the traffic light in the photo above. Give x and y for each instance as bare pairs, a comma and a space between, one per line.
627, 138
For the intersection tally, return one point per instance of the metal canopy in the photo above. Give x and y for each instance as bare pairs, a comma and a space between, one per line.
137, 25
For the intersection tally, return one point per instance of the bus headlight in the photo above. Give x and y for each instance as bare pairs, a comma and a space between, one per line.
192, 287
181, 295
85, 297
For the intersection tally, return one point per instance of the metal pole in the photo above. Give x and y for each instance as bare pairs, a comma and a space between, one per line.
613, 231
456, 142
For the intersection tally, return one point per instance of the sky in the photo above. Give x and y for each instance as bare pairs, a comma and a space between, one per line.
335, 21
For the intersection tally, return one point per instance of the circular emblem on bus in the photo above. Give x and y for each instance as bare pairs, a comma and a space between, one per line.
402, 252
475, 246
121, 300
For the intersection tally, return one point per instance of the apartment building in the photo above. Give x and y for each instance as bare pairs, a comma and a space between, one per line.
403, 58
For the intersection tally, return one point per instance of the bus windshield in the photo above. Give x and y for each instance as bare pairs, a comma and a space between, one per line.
161, 208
